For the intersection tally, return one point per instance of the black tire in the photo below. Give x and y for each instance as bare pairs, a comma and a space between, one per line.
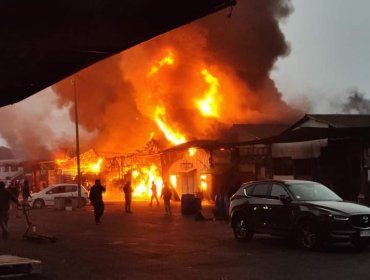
38, 204
241, 229
307, 236
360, 244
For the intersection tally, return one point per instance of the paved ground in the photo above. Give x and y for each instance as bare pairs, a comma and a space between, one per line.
149, 245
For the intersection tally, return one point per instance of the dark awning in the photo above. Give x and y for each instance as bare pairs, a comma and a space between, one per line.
314, 133
43, 41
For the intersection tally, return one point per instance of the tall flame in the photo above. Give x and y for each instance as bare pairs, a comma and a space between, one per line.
209, 105
171, 134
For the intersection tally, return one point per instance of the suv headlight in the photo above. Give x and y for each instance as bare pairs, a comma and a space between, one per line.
338, 217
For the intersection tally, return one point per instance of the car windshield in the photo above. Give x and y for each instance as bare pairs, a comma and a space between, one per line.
312, 191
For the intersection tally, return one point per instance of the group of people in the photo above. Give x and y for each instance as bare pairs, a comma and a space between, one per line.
166, 195
8, 195
96, 198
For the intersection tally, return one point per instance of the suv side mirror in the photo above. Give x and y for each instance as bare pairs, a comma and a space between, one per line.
285, 199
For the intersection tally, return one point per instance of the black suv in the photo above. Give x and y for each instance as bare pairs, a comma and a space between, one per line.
307, 211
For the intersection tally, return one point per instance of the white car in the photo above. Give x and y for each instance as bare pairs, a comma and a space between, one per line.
46, 196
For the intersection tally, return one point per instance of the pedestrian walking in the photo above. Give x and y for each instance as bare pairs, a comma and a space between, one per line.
167, 195
128, 196
154, 194
5, 198
96, 198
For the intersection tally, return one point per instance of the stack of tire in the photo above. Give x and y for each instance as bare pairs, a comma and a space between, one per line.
190, 205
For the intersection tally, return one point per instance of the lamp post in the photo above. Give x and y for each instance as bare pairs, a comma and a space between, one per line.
77, 143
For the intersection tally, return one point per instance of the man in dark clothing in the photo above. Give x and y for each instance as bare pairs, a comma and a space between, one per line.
154, 194
14, 190
128, 194
96, 198
166, 195
26, 192
5, 198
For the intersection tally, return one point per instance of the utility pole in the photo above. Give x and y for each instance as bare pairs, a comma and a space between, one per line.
77, 144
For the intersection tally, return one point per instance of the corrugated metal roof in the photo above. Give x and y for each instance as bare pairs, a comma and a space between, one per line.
336, 120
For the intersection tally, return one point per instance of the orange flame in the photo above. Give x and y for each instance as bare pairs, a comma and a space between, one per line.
142, 181
95, 167
209, 105
168, 60
61, 161
203, 182
70, 166
171, 134
173, 181
192, 151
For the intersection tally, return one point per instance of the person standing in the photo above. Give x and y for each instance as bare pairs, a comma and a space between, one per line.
26, 193
167, 195
5, 198
14, 190
128, 195
96, 198
154, 194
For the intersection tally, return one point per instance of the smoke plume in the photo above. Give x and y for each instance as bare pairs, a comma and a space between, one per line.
118, 98
356, 103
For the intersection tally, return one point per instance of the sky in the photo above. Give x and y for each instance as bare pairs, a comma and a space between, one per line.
329, 58
330, 43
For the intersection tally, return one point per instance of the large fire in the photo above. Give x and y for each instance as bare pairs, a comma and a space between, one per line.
142, 181
207, 102
87, 165
209, 105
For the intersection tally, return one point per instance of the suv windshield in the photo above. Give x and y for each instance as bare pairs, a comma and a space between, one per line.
312, 191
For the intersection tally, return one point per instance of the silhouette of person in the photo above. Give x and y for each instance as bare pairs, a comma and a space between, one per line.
14, 189
96, 198
167, 195
128, 195
26, 193
5, 197
154, 194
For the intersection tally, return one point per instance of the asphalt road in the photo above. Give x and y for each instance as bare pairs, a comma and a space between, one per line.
149, 245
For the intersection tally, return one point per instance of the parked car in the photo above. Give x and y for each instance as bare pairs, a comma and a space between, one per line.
307, 211
46, 196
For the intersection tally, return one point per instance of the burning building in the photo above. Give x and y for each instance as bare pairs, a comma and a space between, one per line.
189, 84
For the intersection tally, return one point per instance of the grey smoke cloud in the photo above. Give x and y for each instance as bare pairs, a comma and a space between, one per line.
356, 103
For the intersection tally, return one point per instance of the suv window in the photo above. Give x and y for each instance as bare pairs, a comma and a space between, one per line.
278, 190
71, 188
248, 190
260, 190
59, 189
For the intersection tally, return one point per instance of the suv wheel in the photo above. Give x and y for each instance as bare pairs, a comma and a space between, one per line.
38, 204
307, 236
242, 231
